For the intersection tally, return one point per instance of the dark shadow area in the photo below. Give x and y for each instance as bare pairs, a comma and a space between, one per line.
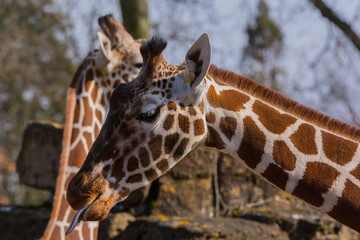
148, 230
23, 223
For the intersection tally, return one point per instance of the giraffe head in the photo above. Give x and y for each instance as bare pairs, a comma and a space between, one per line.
119, 59
153, 122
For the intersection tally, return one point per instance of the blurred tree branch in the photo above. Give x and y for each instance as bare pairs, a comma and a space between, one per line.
341, 24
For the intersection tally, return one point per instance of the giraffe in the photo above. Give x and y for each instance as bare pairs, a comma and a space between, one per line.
118, 61
168, 110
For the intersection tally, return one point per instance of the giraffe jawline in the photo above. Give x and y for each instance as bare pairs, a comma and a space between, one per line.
77, 219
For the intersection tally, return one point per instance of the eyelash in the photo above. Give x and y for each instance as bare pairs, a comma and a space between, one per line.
138, 65
149, 116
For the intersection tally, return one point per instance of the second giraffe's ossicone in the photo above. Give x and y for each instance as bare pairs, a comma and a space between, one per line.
168, 110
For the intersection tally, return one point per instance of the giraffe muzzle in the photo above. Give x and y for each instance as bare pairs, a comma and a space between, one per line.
79, 216
77, 219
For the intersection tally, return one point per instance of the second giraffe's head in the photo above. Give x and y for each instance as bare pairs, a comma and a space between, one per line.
153, 122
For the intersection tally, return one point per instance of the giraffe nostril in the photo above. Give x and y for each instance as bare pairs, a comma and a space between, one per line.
79, 181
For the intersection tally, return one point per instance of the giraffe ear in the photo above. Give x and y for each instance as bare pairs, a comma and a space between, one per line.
197, 61
105, 45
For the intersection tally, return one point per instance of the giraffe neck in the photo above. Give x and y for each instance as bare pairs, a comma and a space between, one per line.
86, 106
317, 160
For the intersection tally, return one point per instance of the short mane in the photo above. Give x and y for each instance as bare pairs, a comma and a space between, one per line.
153, 47
284, 103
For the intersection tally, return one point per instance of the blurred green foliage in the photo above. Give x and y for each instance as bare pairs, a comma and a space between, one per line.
35, 66
264, 48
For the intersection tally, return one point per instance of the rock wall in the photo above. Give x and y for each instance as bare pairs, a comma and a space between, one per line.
38, 161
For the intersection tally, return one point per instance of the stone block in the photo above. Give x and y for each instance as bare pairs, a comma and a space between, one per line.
38, 161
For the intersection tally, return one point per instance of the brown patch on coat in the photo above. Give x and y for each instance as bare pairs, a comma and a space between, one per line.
210, 117
134, 143
125, 130
94, 93
77, 112
163, 165
74, 134
356, 172
63, 207
231, 100
184, 123
170, 142
228, 126
98, 73
272, 119
133, 164
144, 157
169, 122
89, 75
182, 106
117, 170
164, 82
155, 145
276, 175
99, 115
172, 106
134, 178
151, 174
213, 139
96, 131
199, 127
252, 145
77, 153
347, 209
88, 139
87, 118
87, 232
124, 191
180, 150
201, 106
338, 149
125, 77
106, 170
191, 110
317, 179
116, 83
108, 95
304, 139
57, 230
283, 156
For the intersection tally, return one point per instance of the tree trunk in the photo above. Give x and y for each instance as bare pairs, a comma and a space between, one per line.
135, 17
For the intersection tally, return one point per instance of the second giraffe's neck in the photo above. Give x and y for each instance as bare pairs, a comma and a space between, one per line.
294, 147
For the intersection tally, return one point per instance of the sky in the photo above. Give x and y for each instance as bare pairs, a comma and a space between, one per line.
317, 59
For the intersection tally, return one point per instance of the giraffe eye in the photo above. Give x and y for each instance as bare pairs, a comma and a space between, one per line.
149, 116
138, 65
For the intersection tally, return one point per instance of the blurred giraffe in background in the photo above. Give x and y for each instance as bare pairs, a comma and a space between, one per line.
118, 61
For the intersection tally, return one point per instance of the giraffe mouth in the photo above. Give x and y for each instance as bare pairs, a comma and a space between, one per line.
78, 217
